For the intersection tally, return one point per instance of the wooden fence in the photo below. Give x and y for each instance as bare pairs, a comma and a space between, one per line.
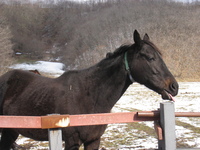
164, 121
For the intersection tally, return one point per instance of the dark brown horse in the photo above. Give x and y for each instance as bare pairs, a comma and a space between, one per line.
92, 90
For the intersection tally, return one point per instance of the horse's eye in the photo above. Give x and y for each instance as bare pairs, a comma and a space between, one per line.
150, 59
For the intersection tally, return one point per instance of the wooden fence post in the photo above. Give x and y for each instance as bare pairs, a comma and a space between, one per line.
167, 122
55, 138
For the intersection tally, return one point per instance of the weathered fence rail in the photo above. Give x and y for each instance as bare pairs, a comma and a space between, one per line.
60, 121
164, 121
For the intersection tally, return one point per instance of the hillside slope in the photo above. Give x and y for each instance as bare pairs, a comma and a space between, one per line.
80, 34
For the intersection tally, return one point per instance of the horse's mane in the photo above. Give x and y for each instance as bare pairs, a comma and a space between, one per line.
124, 48
118, 51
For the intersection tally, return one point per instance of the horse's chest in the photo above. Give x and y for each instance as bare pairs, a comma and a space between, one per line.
89, 133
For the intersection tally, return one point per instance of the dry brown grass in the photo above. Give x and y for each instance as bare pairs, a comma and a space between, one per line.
6, 52
173, 27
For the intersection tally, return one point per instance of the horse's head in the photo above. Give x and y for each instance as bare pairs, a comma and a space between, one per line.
148, 68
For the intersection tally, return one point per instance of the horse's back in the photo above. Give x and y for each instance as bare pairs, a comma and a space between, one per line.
15, 81
13, 84
16, 75
27, 94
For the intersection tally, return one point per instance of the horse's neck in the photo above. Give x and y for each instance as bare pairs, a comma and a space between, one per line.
109, 83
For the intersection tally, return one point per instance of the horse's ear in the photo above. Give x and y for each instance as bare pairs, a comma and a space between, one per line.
108, 55
146, 37
136, 37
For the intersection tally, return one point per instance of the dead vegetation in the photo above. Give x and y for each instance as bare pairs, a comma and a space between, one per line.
80, 34
6, 52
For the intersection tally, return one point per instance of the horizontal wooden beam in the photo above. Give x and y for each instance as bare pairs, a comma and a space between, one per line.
55, 121
20, 122
148, 113
107, 118
177, 114
60, 121
187, 114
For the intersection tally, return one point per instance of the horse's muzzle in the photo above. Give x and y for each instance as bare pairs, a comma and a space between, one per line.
171, 91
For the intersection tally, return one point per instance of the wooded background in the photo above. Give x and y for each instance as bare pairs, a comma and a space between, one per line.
80, 34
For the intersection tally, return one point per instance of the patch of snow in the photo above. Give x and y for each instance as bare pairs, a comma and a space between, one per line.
137, 97
42, 66
18, 53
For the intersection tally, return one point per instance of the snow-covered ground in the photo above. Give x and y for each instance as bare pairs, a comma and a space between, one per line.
137, 97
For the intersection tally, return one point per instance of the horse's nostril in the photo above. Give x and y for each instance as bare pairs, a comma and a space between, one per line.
173, 86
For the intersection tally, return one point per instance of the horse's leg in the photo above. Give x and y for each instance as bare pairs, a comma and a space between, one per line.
74, 147
94, 145
73, 142
8, 137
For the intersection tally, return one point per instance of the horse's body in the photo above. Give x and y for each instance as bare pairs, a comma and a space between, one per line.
35, 71
92, 90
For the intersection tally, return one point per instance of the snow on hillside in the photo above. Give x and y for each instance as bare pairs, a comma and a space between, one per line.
53, 68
